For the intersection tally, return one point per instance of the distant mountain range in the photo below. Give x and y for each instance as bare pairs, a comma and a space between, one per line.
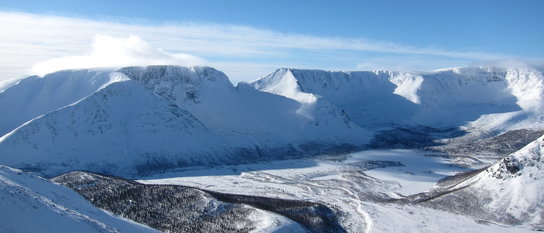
135, 120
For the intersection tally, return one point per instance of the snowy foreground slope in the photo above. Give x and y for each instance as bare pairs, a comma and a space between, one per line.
32, 204
508, 192
175, 208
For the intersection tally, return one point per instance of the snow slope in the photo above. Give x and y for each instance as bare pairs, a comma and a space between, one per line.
34, 96
446, 98
360, 94
32, 204
120, 129
509, 191
138, 124
242, 111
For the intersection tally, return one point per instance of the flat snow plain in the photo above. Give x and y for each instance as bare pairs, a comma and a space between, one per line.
358, 185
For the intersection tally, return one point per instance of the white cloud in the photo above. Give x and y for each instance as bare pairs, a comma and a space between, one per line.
411, 62
517, 63
243, 52
110, 51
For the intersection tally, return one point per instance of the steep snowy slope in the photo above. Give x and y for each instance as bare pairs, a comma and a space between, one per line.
360, 94
509, 192
120, 129
446, 98
34, 96
245, 112
489, 98
32, 204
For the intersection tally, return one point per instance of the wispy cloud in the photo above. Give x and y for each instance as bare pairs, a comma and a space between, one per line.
110, 51
409, 62
55, 42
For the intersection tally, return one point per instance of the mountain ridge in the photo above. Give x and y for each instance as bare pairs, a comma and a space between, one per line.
287, 113
143, 122
463, 95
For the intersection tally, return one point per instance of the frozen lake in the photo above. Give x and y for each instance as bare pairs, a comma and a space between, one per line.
355, 184
407, 171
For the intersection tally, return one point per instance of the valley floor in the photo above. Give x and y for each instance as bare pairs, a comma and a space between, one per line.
361, 186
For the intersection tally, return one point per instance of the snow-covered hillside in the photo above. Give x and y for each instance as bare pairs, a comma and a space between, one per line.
509, 191
32, 204
486, 96
243, 111
119, 129
34, 96
515, 184
138, 123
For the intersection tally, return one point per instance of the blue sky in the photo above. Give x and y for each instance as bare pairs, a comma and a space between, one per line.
341, 35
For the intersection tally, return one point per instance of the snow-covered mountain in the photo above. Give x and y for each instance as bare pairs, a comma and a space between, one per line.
32, 204
510, 191
138, 123
34, 96
515, 185
243, 111
486, 96
119, 129
136, 119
